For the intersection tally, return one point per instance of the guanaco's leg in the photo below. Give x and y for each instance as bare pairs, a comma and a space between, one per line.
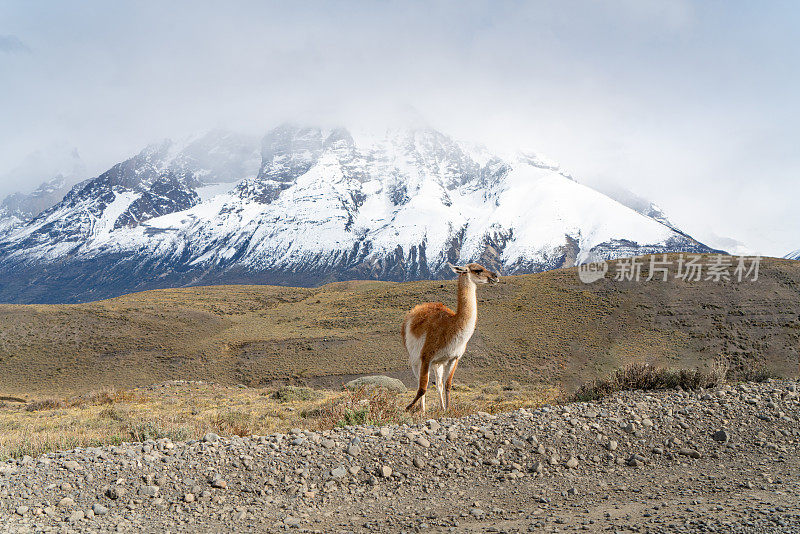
439, 370
423, 383
450, 372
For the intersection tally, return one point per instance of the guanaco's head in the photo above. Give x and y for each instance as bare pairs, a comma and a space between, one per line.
477, 273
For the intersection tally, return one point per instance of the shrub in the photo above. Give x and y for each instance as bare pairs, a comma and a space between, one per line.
355, 417
144, 430
233, 422
112, 413
44, 404
360, 406
104, 396
94, 398
647, 377
294, 393
757, 373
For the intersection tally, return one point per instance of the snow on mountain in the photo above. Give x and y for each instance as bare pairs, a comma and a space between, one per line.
794, 255
317, 206
635, 202
8, 220
21, 207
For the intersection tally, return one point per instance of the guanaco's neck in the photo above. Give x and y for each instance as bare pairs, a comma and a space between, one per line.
467, 310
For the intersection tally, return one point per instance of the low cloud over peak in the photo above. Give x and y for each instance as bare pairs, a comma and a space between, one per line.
687, 104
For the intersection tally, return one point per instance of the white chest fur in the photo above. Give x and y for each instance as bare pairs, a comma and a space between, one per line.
458, 344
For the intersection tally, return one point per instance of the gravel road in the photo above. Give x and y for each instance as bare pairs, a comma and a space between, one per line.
715, 461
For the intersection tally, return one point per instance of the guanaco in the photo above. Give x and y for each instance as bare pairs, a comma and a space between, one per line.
436, 336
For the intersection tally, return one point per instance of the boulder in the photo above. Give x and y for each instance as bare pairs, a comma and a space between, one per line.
381, 381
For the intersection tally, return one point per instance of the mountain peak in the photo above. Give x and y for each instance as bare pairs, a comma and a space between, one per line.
307, 205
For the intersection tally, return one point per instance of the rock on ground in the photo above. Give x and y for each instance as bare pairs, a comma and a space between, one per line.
381, 381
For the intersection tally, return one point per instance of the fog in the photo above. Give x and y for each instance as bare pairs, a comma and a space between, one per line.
691, 105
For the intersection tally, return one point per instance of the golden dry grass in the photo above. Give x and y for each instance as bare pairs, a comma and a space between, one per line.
187, 410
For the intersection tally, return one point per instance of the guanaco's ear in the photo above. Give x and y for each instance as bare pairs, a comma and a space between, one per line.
456, 269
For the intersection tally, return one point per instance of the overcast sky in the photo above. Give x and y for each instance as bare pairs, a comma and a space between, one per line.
693, 105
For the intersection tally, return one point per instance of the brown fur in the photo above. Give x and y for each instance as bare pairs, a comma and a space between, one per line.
441, 325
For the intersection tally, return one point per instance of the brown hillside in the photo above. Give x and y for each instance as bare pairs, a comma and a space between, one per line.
546, 327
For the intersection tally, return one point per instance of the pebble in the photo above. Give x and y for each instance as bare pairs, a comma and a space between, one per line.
720, 435
636, 460
691, 453
72, 465
219, 483
149, 491
76, 515
115, 492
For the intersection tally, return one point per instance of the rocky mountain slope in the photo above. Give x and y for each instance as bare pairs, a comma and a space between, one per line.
20, 208
316, 206
724, 460
63, 169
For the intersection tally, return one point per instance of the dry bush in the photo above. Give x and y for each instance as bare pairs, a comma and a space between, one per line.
157, 429
756, 373
361, 406
233, 422
639, 376
294, 393
112, 413
106, 396
44, 404
37, 444
94, 398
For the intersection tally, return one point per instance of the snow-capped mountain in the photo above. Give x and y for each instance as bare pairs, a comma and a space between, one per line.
316, 206
794, 255
65, 165
18, 208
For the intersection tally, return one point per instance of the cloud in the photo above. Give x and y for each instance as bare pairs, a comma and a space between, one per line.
11, 44
688, 104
